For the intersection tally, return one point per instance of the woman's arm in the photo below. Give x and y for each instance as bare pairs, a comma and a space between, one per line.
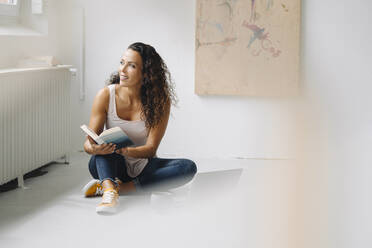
153, 140
97, 122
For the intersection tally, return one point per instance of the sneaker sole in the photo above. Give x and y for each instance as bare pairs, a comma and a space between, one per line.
89, 185
106, 209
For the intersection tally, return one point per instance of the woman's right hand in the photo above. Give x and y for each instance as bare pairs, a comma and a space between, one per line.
103, 149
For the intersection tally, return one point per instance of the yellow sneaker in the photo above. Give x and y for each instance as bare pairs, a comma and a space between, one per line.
93, 188
109, 203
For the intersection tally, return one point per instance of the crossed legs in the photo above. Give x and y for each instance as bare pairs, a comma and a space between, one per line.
159, 173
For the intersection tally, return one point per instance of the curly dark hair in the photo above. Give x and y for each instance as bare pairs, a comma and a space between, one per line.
157, 89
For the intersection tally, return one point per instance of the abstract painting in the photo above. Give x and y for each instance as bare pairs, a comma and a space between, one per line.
247, 47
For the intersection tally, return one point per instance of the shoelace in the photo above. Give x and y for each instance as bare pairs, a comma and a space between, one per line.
109, 196
99, 190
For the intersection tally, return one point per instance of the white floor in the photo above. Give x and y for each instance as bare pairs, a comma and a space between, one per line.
217, 209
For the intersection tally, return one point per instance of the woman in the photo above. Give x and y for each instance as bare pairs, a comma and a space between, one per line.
138, 100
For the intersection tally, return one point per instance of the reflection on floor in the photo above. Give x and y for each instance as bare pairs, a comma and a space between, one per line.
229, 203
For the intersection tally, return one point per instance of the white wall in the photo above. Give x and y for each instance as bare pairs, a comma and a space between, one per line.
15, 47
337, 81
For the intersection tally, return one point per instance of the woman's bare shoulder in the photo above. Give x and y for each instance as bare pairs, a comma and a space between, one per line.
102, 98
104, 92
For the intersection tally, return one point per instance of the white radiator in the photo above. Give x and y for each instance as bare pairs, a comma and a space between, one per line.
35, 119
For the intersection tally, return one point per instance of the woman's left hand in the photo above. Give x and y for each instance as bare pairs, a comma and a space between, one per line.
122, 151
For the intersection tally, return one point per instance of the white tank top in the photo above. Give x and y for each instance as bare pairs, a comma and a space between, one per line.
136, 130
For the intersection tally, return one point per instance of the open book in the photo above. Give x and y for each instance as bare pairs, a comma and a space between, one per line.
113, 135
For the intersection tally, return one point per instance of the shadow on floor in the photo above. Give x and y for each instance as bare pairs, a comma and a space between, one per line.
13, 184
204, 187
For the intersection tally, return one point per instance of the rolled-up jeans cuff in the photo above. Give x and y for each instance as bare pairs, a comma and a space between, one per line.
112, 180
137, 184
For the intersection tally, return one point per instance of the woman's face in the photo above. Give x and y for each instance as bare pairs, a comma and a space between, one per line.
130, 69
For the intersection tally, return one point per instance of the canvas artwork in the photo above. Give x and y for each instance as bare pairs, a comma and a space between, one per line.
247, 47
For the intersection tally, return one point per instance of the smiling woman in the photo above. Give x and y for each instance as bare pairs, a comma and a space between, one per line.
138, 100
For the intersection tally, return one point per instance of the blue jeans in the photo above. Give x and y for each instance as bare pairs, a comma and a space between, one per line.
159, 173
